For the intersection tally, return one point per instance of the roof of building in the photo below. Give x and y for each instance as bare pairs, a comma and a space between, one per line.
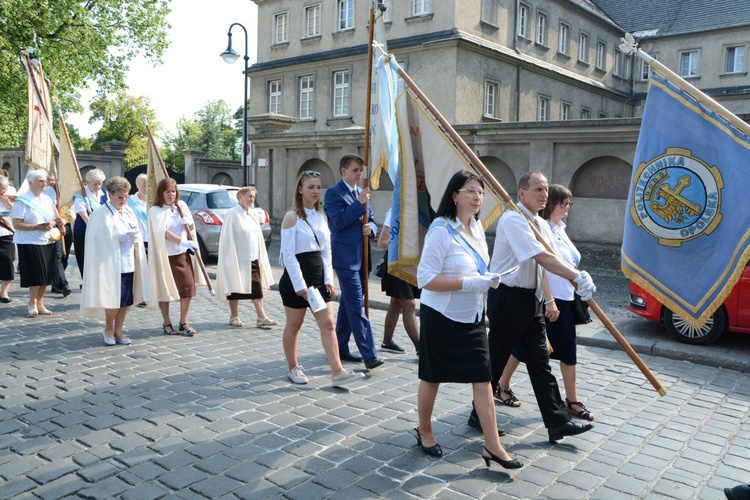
659, 18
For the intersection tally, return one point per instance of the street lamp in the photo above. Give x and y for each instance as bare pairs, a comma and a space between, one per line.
230, 56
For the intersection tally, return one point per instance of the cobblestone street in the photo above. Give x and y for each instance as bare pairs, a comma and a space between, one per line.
214, 416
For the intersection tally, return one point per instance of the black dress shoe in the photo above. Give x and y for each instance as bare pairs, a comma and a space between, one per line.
567, 429
740, 492
373, 363
5, 300
66, 292
475, 423
345, 356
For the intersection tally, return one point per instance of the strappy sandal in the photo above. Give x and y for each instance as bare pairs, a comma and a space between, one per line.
169, 329
583, 413
187, 330
235, 321
511, 401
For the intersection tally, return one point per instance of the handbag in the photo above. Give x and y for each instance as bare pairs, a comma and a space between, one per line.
581, 310
382, 268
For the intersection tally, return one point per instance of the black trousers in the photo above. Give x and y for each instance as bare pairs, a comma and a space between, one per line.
516, 318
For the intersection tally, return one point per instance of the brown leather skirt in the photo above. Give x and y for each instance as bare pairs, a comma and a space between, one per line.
182, 272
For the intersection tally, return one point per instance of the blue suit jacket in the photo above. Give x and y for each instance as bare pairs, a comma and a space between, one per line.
344, 214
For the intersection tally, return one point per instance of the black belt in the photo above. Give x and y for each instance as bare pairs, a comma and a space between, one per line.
518, 289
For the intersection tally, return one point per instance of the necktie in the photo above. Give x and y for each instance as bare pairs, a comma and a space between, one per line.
354, 193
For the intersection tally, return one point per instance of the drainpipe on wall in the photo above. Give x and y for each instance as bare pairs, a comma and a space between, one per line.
518, 66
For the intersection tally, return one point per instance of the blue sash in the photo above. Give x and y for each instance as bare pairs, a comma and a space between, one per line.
35, 206
137, 209
481, 264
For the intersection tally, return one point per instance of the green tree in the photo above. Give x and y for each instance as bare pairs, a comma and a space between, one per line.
187, 137
122, 121
210, 131
79, 42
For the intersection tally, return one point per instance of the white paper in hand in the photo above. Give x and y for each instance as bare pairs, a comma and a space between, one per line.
315, 299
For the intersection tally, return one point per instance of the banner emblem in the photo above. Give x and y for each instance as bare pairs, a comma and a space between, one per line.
676, 197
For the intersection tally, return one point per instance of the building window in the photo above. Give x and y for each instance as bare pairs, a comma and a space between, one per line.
312, 20
421, 7
274, 96
566, 111
346, 15
541, 28
689, 64
601, 56
617, 63
583, 48
543, 109
563, 44
735, 59
523, 21
281, 27
387, 13
646, 69
489, 12
585, 113
306, 97
490, 99
341, 93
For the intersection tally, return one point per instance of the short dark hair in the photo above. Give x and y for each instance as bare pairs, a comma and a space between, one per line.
447, 208
523, 182
557, 193
347, 160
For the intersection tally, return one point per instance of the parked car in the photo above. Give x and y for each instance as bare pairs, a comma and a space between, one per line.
733, 315
209, 204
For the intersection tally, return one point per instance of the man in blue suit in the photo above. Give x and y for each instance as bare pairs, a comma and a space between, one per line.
345, 205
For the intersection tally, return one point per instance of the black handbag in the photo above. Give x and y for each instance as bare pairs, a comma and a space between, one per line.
581, 310
382, 268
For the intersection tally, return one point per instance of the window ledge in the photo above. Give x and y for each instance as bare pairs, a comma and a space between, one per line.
311, 38
307, 120
736, 73
524, 38
492, 119
280, 45
488, 25
563, 55
585, 64
339, 119
419, 18
541, 46
600, 71
692, 77
348, 31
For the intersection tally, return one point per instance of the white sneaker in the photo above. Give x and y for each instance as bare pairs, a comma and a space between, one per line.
345, 377
296, 375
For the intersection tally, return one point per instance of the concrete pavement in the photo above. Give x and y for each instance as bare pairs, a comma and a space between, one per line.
214, 416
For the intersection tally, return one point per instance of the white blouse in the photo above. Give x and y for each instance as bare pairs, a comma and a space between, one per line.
443, 255
177, 227
5, 212
566, 250
124, 223
80, 205
30, 216
299, 239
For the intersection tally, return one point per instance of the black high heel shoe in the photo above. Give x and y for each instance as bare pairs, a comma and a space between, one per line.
435, 451
507, 464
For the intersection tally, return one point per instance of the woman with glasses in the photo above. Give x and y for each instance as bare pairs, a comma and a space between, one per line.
84, 203
306, 255
116, 272
559, 310
453, 276
36, 220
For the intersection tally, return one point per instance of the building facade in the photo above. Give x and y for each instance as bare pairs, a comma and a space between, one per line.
528, 84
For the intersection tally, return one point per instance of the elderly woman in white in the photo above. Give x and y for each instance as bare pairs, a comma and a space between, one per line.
116, 272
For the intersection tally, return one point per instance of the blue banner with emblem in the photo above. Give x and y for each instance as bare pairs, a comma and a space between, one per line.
687, 225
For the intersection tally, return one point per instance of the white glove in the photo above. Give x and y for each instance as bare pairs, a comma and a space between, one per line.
124, 237
586, 287
186, 221
190, 245
481, 284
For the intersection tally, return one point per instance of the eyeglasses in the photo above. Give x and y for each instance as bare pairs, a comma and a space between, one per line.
472, 192
566, 203
312, 173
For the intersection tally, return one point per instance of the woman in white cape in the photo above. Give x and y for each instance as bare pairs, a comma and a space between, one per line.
115, 270
173, 274
244, 270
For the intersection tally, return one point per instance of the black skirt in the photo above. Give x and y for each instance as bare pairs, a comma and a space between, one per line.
256, 290
450, 351
7, 256
126, 289
398, 288
37, 264
311, 264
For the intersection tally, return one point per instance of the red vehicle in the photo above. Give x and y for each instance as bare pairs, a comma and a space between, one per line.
733, 315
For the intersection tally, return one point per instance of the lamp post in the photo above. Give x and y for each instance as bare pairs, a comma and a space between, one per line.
230, 56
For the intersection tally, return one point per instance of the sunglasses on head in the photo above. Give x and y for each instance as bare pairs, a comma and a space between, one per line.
311, 173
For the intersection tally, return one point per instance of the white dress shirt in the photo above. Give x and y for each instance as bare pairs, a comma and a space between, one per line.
562, 288
301, 238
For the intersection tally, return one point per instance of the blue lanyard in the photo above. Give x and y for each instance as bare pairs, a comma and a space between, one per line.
481, 264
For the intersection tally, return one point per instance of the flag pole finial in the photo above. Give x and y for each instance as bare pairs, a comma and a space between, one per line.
628, 44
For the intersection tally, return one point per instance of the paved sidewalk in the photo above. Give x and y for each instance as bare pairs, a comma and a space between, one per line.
214, 416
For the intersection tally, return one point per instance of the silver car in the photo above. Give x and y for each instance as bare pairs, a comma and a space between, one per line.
208, 204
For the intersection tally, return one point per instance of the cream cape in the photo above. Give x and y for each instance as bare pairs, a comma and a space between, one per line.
163, 286
234, 273
101, 269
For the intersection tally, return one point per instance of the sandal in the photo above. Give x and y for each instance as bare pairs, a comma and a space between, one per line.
169, 329
584, 413
187, 330
511, 401
235, 321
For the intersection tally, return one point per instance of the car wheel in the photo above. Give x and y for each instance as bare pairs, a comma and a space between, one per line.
709, 332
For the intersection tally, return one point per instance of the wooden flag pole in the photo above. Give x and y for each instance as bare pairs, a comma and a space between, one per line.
507, 199
187, 228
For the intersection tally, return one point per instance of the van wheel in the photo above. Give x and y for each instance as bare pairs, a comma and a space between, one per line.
709, 332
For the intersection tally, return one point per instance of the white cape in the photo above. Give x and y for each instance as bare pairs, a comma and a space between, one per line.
234, 271
162, 282
101, 268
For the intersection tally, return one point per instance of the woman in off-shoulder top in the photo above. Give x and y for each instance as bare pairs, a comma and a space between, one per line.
306, 254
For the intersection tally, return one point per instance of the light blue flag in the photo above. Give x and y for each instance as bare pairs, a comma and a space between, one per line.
687, 225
